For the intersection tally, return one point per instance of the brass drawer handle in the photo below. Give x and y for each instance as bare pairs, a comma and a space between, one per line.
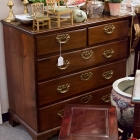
65, 65
107, 74
106, 98
108, 53
60, 113
87, 54
63, 88
63, 38
109, 29
86, 76
86, 99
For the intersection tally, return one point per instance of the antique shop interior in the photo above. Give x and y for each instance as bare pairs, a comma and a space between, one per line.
70, 70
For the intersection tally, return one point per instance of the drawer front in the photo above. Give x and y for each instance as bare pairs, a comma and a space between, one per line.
79, 60
51, 116
49, 44
108, 32
71, 85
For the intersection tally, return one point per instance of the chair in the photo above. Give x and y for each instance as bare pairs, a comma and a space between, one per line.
55, 11
39, 18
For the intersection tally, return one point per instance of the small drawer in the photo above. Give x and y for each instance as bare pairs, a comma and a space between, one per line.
79, 60
71, 40
107, 32
77, 83
51, 116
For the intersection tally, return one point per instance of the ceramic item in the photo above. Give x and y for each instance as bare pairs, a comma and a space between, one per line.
24, 18
95, 9
79, 15
121, 98
114, 9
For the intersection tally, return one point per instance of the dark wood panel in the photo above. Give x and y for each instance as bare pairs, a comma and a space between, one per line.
136, 125
97, 34
19, 55
66, 87
51, 116
89, 122
47, 68
49, 44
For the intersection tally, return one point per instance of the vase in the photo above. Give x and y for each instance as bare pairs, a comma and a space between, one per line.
114, 9
121, 98
95, 9
106, 7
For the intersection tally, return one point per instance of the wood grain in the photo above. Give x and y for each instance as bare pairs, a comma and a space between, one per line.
20, 75
100, 123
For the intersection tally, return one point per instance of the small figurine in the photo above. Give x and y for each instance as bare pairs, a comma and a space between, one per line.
79, 15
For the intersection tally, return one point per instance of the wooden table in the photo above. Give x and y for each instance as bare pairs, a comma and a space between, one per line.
86, 122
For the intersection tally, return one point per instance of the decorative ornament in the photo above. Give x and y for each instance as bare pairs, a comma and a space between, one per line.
25, 2
11, 16
79, 15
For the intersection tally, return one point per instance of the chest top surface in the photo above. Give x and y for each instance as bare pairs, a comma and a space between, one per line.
65, 26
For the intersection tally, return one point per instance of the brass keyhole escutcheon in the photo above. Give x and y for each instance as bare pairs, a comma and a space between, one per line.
109, 29
108, 53
107, 75
63, 88
87, 54
63, 38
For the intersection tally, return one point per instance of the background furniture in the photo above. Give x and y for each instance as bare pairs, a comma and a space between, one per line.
94, 52
100, 122
55, 11
137, 49
136, 102
39, 18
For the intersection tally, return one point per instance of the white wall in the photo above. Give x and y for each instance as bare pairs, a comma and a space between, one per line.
17, 9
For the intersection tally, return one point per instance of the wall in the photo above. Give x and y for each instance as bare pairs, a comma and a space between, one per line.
17, 9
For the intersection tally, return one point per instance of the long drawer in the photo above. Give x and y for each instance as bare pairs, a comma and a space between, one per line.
107, 32
73, 40
78, 60
72, 85
51, 116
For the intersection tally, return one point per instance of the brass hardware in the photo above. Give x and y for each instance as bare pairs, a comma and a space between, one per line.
108, 53
63, 38
108, 74
86, 99
11, 16
25, 2
109, 29
87, 54
60, 113
86, 76
106, 98
63, 88
65, 65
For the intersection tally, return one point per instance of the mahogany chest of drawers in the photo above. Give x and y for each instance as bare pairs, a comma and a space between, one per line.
94, 52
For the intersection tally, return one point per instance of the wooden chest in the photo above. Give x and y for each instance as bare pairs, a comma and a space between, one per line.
94, 52
100, 122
